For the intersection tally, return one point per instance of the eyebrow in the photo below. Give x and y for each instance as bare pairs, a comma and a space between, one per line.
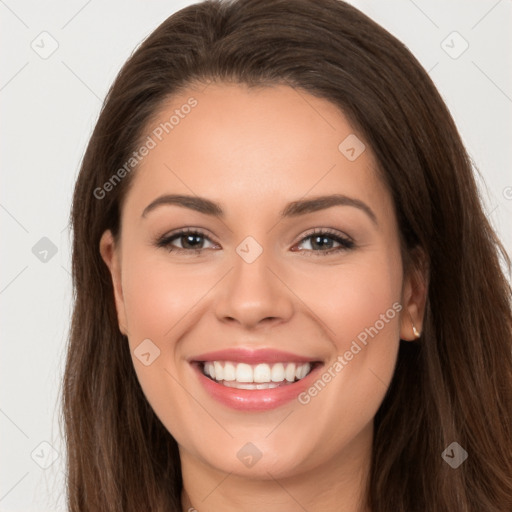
293, 209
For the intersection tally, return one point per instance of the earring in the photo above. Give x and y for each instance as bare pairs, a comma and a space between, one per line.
414, 330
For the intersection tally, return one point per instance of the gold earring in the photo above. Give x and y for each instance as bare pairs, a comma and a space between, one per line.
414, 330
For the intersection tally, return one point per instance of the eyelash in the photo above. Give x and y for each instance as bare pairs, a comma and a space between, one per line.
345, 242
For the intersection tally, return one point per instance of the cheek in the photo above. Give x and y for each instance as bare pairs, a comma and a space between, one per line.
160, 301
360, 304
352, 297
158, 294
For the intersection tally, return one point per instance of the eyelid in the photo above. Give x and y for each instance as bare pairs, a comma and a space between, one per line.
324, 231
187, 230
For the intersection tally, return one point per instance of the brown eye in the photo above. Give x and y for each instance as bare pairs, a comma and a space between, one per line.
189, 240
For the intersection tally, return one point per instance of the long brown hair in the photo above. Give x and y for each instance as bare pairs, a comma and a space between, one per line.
453, 385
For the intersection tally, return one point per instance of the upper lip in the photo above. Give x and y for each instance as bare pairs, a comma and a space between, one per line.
252, 356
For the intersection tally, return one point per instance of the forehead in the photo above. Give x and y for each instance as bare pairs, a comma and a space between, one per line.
252, 148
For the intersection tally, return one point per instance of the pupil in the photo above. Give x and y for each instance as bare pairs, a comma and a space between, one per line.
321, 241
188, 238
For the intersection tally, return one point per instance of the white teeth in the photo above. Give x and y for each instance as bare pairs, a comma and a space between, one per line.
289, 372
301, 372
229, 372
243, 372
262, 373
258, 376
219, 372
278, 372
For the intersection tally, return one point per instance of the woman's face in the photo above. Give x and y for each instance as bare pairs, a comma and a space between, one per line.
296, 269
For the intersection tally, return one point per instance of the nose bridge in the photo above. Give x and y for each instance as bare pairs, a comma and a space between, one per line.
252, 291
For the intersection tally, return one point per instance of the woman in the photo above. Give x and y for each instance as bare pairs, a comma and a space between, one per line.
287, 294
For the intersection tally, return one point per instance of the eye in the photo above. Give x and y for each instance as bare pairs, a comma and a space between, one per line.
191, 240
323, 240
320, 240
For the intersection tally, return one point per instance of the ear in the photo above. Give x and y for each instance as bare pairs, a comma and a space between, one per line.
110, 254
414, 295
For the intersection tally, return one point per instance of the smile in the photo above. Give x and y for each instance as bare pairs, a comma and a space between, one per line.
254, 380
257, 376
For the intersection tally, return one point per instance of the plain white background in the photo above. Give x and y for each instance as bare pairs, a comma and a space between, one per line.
49, 107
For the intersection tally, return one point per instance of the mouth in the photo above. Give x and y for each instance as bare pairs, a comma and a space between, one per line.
255, 380
256, 376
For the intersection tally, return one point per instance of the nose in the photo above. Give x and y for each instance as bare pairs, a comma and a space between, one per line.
254, 293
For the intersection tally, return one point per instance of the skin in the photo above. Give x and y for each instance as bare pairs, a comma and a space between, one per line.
253, 151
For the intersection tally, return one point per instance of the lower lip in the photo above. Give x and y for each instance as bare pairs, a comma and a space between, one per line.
257, 399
